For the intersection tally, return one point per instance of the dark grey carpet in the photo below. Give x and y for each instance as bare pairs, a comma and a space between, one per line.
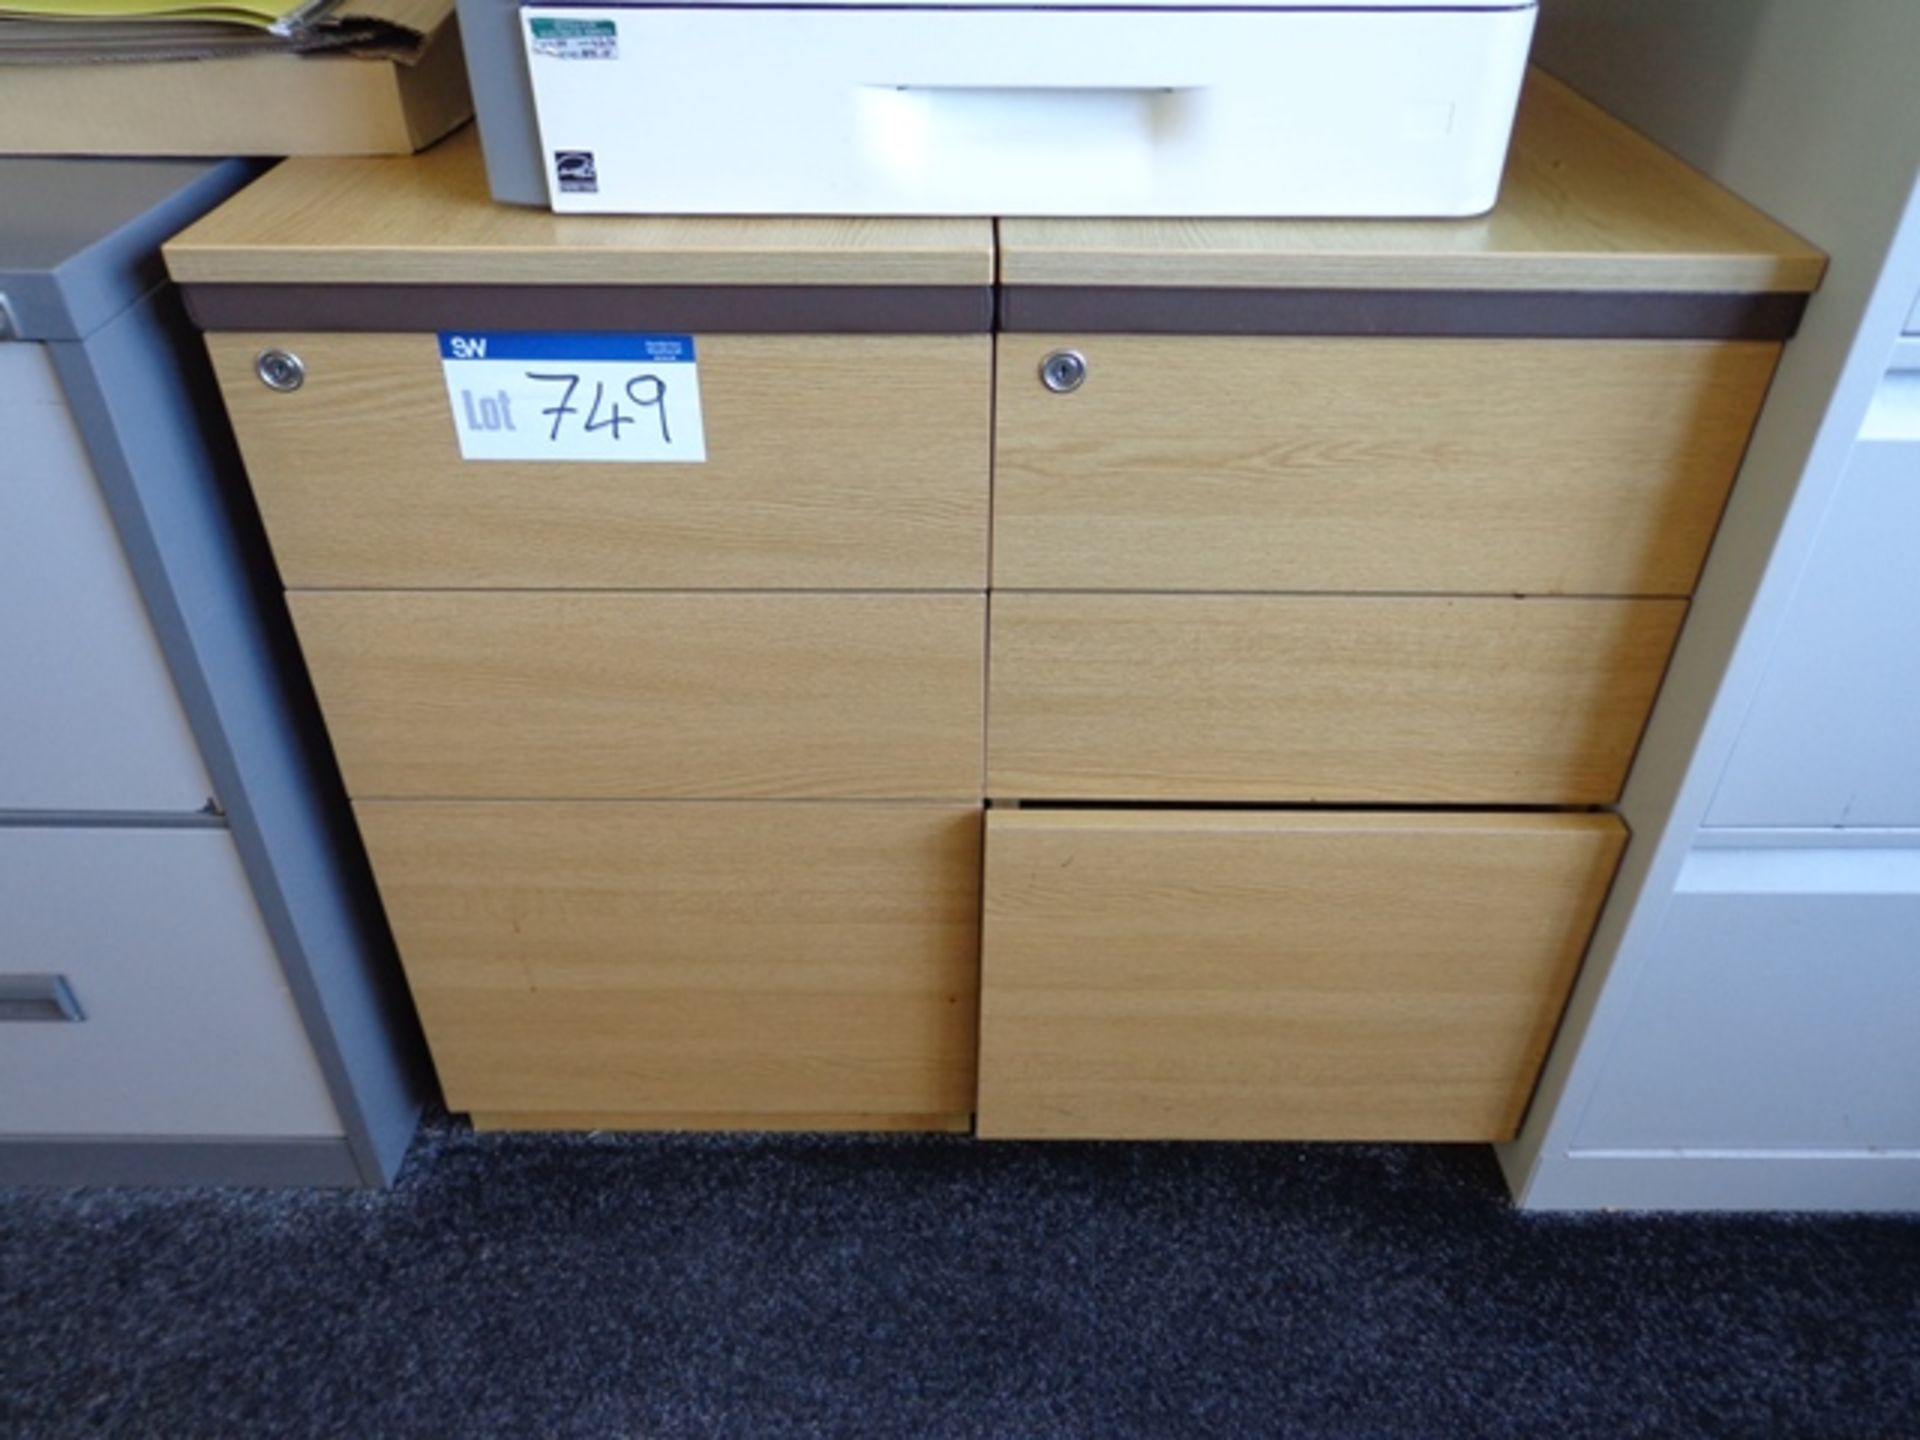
534, 1287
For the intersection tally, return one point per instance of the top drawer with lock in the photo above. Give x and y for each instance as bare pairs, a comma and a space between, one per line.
842, 370
1437, 465
832, 462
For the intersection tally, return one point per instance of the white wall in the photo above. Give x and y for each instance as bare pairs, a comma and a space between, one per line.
1741, 1033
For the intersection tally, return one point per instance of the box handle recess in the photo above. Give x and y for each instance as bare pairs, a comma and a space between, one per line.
911, 128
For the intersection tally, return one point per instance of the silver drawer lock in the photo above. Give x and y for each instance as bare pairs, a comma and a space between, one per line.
280, 370
1064, 371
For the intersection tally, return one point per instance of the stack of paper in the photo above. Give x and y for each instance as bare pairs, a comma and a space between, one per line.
274, 15
228, 77
87, 32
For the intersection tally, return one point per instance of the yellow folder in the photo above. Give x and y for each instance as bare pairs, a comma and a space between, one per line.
261, 14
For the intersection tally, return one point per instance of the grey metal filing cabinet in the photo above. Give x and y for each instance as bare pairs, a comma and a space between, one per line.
196, 983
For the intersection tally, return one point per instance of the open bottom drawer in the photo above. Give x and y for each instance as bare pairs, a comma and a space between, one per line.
1239, 975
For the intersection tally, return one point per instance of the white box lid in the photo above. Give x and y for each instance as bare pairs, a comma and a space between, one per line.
1380, 5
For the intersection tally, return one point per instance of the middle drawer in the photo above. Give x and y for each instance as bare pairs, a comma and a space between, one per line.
647, 695
1321, 698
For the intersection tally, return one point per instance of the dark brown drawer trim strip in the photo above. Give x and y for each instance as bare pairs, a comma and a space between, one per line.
713, 309
1481, 314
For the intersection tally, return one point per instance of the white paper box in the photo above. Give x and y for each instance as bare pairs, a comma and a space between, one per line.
1075, 108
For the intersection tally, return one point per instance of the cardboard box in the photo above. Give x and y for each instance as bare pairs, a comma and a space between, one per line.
270, 104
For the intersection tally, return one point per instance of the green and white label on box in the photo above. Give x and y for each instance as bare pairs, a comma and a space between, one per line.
574, 39
547, 395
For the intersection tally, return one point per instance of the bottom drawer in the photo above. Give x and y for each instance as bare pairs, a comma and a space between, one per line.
1233, 975
187, 1028
678, 963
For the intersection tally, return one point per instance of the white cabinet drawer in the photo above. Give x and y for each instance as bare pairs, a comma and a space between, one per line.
90, 720
1805, 959
1831, 737
188, 1027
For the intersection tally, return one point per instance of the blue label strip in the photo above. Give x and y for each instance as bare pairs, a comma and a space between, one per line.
560, 345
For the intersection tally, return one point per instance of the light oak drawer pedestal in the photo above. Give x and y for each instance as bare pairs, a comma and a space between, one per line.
1218, 747
671, 774
1335, 517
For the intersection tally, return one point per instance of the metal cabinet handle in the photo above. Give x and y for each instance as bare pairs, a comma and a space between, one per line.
38, 997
